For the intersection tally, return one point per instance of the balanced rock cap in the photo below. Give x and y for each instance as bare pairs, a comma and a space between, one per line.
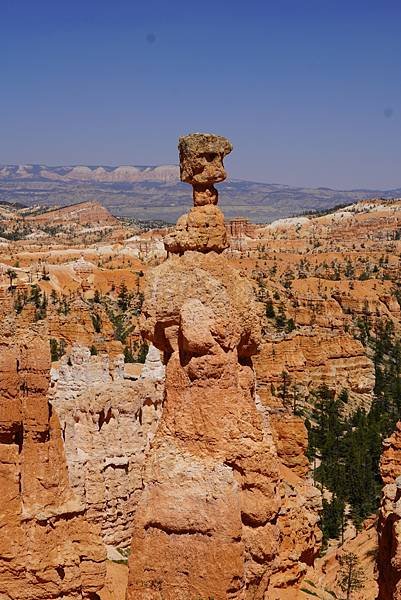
201, 158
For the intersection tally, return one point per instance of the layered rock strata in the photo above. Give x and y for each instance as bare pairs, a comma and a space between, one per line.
48, 549
219, 515
314, 358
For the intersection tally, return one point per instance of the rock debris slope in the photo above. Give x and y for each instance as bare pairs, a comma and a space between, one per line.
219, 515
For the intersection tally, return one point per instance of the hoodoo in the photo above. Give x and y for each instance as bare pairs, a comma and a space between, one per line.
215, 519
47, 548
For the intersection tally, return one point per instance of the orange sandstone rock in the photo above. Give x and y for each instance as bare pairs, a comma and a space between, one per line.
390, 460
202, 229
389, 522
291, 439
313, 358
47, 551
201, 164
322, 580
219, 515
84, 213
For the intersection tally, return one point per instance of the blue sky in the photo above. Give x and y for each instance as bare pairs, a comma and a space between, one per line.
308, 91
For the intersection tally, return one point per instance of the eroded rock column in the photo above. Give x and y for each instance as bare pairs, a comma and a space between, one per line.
107, 423
47, 548
206, 523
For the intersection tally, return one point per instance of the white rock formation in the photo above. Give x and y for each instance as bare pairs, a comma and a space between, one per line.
107, 424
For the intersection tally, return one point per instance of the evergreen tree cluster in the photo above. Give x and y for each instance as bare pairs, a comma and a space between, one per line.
35, 297
39, 299
346, 450
121, 310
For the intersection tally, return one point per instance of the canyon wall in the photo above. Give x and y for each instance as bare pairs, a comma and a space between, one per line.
312, 359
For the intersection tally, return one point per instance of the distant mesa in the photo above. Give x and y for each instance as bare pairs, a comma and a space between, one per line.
84, 213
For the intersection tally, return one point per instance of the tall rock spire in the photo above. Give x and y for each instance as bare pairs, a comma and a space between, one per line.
210, 518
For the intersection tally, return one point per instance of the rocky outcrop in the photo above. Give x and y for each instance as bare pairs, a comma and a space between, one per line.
116, 582
107, 424
201, 164
213, 483
219, 515
390, 460
202, 229
202, 460
291, 440
315, 358
48, 549
240, 231
76, 326
389, 523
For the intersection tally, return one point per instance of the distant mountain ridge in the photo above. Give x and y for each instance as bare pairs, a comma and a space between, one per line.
156, 193
97, 173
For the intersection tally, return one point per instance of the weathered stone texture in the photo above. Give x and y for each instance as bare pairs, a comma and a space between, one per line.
201, 165
219, 515
107, 423
389, 522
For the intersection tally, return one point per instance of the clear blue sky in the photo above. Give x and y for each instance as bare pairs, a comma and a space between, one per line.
309, 91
